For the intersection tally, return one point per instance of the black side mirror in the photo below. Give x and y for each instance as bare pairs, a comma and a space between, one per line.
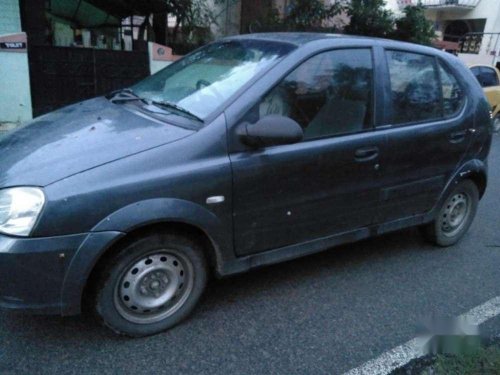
270, 131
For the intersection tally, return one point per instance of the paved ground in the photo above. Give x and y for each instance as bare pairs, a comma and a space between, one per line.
321, 314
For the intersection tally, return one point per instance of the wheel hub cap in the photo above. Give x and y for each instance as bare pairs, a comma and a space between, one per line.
153, 287
455, 213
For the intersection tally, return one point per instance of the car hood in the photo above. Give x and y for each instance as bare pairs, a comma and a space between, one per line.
76, 138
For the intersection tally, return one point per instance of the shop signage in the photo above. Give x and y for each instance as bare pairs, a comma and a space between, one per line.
13, 43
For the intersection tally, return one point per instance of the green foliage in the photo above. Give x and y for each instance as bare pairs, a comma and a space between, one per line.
369, 18
414, 27
303, 15
310, 13
484, 361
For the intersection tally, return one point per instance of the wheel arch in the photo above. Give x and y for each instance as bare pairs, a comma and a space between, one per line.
164, 215
179, 228
480, 179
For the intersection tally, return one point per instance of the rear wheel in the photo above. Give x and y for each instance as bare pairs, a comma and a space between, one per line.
455, 215
496, 123
152, 284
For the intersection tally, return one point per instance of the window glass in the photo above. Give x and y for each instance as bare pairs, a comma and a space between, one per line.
415, 87
453, 96
477, 72
488, 77
328, 94
204, 80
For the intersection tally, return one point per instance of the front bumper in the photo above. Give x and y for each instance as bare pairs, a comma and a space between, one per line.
47, 275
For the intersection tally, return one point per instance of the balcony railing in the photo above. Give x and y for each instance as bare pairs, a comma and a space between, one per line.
441, 4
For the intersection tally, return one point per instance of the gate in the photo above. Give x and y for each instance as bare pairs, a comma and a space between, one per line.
63, 75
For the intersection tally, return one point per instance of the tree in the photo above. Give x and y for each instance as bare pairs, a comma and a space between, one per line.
369, 18
414, 27
310, 13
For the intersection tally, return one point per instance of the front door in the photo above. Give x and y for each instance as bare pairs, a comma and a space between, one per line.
324, 185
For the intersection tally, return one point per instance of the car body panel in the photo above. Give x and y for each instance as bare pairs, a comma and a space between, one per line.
76, 138
136, 171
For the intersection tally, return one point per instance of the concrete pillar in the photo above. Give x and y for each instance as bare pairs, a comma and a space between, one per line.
15, 95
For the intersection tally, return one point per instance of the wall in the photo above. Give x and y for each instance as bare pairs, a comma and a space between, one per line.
15, 96
159, 57
10, 20
488, 10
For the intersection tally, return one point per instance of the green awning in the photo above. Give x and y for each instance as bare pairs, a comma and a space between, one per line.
126, 8
82, 13
94, 13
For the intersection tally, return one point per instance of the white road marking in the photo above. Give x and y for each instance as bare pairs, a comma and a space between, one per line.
402, 354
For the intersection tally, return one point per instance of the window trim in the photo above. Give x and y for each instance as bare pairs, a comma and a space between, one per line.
436, 61
458, 112
370, 126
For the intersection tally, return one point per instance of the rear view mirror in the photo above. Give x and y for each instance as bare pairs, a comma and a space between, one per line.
270, 131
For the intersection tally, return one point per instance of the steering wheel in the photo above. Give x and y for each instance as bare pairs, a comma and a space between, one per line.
204, 83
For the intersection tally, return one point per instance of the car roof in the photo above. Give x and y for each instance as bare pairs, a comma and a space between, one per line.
296, 38
302, 38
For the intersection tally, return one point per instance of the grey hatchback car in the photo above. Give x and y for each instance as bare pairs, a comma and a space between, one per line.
249, 151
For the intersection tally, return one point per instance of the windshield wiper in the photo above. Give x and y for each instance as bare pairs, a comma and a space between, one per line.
124, 95
175, 107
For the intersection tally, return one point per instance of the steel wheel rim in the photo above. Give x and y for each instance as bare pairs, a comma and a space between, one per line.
455, 214
154, 286
496, 124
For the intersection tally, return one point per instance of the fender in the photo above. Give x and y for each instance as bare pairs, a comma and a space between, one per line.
160, 210
82, 263
125, 220
473, 167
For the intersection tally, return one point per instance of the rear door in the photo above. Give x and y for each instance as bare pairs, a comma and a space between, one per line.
427, 129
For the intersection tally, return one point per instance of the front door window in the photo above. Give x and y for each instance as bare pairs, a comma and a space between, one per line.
329, 94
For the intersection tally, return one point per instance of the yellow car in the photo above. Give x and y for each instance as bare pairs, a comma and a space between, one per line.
489, 78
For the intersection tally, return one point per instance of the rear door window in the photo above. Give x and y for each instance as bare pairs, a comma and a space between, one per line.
453, 96
415, 87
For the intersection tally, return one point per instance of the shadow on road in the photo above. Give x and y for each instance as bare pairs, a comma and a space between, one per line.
239, 289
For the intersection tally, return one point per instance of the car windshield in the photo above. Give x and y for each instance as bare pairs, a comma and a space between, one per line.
206, 79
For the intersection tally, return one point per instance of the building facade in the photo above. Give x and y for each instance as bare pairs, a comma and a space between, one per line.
15, 97
473, 25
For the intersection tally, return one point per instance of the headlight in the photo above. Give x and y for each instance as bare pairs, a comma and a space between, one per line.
19, 209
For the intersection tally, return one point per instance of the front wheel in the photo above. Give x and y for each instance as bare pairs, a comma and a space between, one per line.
455, 215
152, 284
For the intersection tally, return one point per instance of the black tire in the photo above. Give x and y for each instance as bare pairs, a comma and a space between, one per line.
496, 124
175, 262
441, 231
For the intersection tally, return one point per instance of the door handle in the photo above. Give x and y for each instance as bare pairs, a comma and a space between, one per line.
366, 154
459, 136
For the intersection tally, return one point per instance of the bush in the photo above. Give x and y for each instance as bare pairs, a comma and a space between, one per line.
414, 27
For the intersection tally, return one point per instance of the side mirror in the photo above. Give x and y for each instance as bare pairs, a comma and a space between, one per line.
270, 131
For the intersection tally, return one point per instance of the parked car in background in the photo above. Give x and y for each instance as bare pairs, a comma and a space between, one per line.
489, 78
252, 150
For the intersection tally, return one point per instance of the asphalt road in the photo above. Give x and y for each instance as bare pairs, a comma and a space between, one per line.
322, 314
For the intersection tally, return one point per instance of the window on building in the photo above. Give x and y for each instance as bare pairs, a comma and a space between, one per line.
329, 94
